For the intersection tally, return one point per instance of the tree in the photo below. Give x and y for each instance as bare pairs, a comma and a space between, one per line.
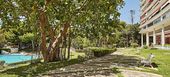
128, 35
55, 17
2, 39
28, 37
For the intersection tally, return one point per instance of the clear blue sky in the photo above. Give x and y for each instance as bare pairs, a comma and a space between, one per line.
125, 11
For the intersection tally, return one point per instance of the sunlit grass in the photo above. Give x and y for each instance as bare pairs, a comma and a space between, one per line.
162, 59
75, 55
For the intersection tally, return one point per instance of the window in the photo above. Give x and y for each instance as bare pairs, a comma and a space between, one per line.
150, 24
163, 17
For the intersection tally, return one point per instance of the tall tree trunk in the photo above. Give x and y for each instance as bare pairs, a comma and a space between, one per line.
33, 47
53, 50
54, 46
69, 44
42, 18
65, 46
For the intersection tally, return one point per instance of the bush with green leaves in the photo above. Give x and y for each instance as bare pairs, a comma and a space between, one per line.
80, 42
145, 47
27, 37
89, 54
99, 51
2, 39
134, 45
81, 58
5, 49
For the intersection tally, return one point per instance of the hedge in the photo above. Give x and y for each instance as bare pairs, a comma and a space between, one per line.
145, 47
99, 51
134, 45
5, 49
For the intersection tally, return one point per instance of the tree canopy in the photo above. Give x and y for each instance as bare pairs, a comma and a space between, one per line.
52, 19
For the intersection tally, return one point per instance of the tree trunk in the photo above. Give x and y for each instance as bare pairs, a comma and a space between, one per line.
55, 45
64, 45
43, 20
53, 50
33, 49
69, 44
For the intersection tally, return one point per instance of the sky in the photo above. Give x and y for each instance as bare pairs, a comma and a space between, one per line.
125, 11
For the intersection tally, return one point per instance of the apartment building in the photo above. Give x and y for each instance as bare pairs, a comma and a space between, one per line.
155, 22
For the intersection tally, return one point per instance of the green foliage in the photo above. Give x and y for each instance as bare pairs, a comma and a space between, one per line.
80, 50
85, 18
80, 42
145, 47
5, 49
81, 58
9, 35
27, 37
130, 33
134, 45
115, 70
2, 39
99, 51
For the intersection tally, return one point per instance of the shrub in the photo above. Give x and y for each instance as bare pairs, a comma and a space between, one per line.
2, 38
89, 54
2, 62
134, 45
5, 49
27, 37
154, 48
80, 42
145, 47
98, 51
80, 50
81, 58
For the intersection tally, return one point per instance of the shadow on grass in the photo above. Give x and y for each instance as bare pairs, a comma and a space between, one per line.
35, 69
117, 60
106, 61
153, 64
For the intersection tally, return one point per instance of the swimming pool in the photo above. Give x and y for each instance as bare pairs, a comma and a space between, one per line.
13, 58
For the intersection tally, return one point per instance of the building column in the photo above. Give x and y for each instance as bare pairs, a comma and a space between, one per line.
142, 39
163, 37
154, 38
147, 39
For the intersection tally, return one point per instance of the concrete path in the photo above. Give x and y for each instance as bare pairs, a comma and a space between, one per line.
131, 73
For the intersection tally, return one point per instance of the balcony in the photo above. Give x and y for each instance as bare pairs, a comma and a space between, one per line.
156, 15
156, 6
157, 23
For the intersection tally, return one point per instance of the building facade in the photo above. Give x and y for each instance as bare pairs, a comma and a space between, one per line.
155, 22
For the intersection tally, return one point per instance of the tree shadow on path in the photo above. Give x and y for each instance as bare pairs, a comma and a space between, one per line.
93, 65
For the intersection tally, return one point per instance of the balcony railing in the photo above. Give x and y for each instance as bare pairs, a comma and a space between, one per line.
159, 19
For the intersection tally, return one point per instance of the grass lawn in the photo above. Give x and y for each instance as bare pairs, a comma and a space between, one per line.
75, 55
162, 59
38, 68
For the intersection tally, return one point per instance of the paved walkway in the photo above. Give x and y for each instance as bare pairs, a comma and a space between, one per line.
131, 73
101, 67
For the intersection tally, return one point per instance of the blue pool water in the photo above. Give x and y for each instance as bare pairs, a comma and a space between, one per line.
13, 58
